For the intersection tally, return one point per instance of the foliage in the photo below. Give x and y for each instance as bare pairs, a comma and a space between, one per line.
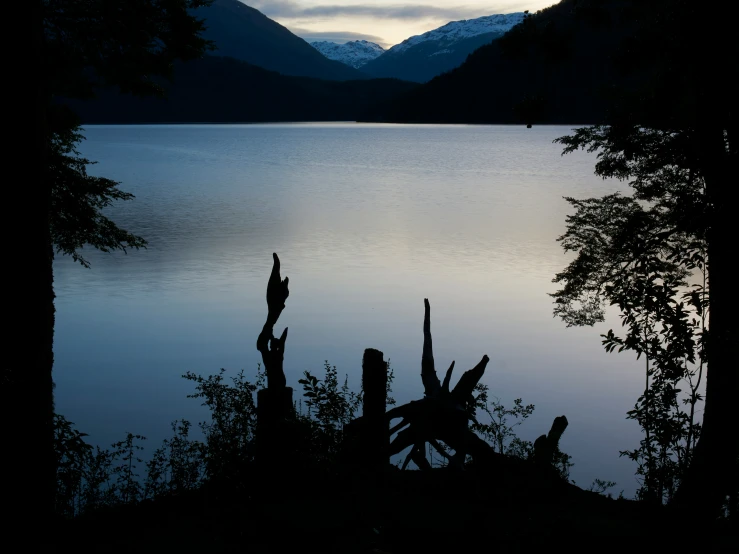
89, 44
89, 479
98, 490
76, 46
176, 466
92, 43
601, 486
562, 462
499, 430
127, 478
78, 200
230, 433
72, 453
672, 135
646, 255
330, 407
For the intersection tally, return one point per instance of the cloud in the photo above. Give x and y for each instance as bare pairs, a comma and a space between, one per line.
339, 37
293, 10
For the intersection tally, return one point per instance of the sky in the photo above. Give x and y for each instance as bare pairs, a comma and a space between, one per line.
385, 22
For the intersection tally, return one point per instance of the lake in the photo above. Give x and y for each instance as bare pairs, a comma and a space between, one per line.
368, 220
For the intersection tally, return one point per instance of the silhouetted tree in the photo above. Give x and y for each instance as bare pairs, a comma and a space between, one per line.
76, 201
674, 138
77, 45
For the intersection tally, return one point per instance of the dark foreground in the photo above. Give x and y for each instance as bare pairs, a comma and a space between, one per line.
399, 512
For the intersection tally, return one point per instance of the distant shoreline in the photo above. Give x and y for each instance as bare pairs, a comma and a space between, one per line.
159, 123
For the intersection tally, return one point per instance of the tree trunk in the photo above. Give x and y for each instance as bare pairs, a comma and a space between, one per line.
273, 438
29, 463
707, 480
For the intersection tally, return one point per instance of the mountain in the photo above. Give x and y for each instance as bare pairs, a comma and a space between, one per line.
557, 67
421, 58
243, 33
224, 90
355, 53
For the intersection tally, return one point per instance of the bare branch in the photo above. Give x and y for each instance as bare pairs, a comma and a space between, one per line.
399, 426
440, 449
419, 458
404, 439
408, 457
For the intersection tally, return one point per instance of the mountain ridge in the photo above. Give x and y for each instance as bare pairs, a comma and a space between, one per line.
422, 57
244, 33
461, 29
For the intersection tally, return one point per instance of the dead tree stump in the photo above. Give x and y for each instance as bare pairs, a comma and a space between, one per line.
441, 415
275, 403
546, 445
441, 418
375, 440
272, 437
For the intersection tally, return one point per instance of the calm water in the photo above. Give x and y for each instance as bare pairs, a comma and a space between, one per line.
368, 221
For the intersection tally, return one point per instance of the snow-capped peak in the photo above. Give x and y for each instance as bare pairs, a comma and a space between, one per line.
355, 53
457, 30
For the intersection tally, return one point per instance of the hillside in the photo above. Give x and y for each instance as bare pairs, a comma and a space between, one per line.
217, 89
554, 68
424, 61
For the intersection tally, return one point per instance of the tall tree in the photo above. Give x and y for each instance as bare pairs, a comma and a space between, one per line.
78, 46
675, 138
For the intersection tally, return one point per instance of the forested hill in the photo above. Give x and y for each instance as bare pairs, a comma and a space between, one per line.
555, 67
223, 90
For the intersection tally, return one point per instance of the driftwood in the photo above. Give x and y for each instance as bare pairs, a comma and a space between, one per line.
441, 415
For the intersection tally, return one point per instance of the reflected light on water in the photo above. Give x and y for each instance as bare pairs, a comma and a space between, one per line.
368, 221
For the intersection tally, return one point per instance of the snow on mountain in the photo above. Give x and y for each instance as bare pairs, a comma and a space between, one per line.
355, 53
458, 30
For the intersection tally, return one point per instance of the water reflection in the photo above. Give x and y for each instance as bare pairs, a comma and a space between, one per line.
368, 220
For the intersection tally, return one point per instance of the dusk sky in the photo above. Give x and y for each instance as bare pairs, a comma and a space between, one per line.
386, 22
